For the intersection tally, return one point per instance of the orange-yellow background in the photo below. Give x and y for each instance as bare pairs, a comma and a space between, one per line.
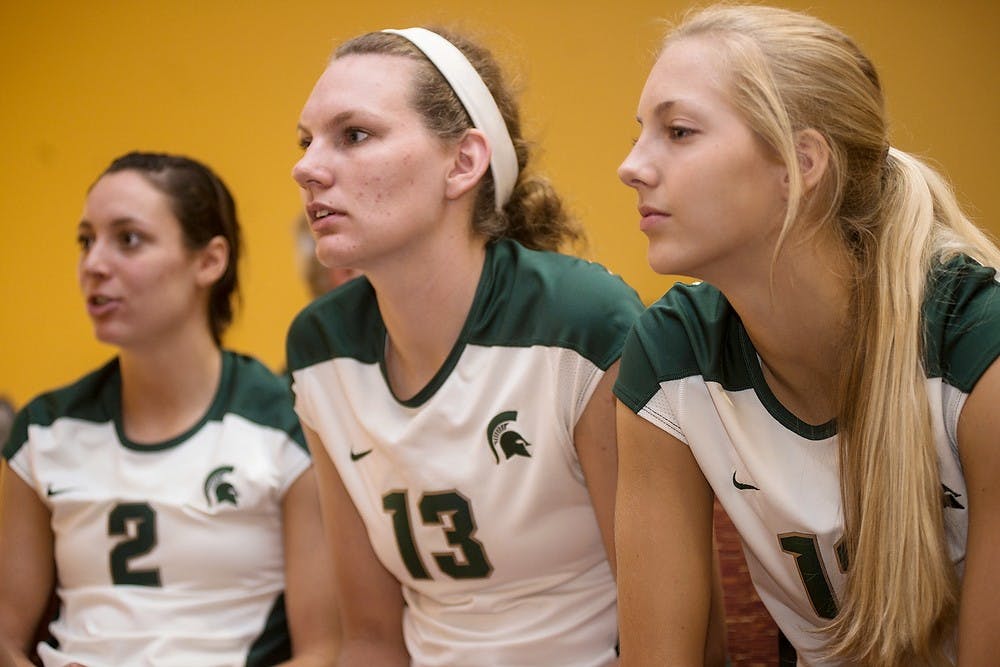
81, 82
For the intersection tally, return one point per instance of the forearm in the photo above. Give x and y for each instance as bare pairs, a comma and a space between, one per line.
12, 656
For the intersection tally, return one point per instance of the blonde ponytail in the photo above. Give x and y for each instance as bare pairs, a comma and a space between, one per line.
897, 217
895, 611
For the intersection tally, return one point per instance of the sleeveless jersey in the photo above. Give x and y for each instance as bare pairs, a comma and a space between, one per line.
166, 554
690, 369
471, 491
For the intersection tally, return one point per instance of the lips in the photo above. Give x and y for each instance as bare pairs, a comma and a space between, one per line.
100, 305
322, 217
651, 216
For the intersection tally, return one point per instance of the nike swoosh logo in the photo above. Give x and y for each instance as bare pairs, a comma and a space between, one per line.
55, 492
360, 455
743, 487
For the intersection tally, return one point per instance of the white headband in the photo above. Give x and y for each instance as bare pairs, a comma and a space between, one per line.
478, 102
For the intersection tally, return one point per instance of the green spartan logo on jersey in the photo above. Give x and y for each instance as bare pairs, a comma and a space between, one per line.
218, 490
499, 432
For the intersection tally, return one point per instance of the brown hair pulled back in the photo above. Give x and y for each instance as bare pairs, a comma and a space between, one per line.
535, 215
203, 205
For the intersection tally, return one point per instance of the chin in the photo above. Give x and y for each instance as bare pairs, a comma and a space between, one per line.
333, 257
664, 265
675, 259
109, 336
107, 339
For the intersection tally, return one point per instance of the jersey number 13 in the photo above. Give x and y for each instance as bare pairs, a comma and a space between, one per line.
451, 511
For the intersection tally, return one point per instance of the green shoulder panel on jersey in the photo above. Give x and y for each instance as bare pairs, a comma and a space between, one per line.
247, 388
529, 297
692, 330
76, 401
961, 322
339, 323
524, 298
252, 391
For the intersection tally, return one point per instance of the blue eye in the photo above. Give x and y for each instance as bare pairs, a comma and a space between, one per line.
356, 135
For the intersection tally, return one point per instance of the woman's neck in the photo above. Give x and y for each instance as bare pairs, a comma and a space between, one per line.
799, 321
167, 388
424, 308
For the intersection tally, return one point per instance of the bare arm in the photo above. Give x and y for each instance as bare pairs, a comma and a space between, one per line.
369, 597
596, 447
309, 599
715, 638
979, 445
663, 531
27, 565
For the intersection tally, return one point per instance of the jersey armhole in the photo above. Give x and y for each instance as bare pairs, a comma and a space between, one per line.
293, 473
663, 414
21, 471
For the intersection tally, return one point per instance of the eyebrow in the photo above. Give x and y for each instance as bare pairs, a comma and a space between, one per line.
116, 223
336, 120
660, 108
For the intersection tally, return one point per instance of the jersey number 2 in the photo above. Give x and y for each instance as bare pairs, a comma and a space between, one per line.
143, 518
468, 562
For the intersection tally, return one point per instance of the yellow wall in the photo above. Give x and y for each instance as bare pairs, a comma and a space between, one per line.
81, 82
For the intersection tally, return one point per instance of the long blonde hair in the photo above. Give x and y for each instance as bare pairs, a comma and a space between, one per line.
897, 217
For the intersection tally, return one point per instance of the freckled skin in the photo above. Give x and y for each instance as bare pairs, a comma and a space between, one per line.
388, 181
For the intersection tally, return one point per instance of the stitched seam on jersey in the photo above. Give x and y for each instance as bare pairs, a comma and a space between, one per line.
590, 386
663, 420
631, 400
954, 402
580, 404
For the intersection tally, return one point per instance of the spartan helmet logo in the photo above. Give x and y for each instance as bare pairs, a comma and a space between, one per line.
510, 442
218, 490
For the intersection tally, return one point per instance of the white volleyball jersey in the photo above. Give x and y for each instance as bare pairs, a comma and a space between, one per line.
471, 491
690, 368
166, 554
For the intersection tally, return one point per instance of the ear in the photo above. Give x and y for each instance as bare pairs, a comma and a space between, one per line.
472, 159
211, 261
813, 153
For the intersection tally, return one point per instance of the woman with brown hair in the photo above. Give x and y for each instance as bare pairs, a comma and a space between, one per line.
456, 397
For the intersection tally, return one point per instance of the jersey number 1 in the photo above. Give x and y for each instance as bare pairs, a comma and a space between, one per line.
468, 562
804, 548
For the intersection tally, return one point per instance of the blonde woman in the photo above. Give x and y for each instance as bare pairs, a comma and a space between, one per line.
834, 379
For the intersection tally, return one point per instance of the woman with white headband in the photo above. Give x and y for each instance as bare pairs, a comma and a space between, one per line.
457, 398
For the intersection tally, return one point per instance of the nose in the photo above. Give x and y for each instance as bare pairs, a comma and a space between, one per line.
634, 170
308, 172
94, 260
